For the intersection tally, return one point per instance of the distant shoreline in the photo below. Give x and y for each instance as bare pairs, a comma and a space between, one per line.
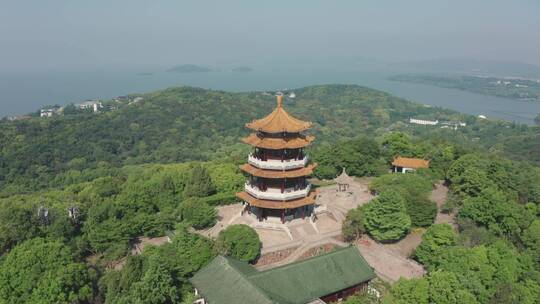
519, 89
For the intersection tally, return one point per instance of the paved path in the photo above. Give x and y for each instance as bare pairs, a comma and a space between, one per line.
439, 196
390, 261
305, 246
389, 264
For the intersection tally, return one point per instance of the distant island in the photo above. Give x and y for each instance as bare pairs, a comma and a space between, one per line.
242, 69
188, 68
513, 88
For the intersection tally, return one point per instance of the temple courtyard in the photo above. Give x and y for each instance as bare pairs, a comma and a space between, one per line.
302, 238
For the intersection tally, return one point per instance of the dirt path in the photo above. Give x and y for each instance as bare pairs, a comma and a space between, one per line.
389, 263
439, 196
407, 245
392, 261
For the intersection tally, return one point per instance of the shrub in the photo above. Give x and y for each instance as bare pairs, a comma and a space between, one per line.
197, 213
422, 212
437, 236
353, 226
239, 241
386, 217
199, 183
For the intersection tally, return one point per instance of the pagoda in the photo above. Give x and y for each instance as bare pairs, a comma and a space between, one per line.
278, 168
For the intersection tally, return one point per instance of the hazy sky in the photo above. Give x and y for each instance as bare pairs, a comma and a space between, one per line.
38, 34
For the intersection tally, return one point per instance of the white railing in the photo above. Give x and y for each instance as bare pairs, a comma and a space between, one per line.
275, 164
275, 193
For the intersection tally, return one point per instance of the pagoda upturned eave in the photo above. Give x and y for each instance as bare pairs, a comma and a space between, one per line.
271, 204
265, 173
278, 143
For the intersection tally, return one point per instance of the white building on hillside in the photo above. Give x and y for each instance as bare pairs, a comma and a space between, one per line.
50, 112
46, 113
95, 105
423, 122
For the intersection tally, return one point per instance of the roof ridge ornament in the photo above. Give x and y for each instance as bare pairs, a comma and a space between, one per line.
279, 101
279, 121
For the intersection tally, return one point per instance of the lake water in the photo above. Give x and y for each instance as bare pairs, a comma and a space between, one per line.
26, 92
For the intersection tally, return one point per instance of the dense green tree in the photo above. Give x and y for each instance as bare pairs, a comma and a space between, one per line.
492, 209
226, 177
468, 161
523, 292
187, 253
472, 235
327, 167
39, 271
353, 225
414, 188
386, 217
531, 238
359, 157
413, 291
160, 274
239, 241
436, 237
472, 267
397, 144
156, 286
199, 183
197, 213
422, 212
115, 284
17, 223
471, 182
445, 288
482, 269
105, 230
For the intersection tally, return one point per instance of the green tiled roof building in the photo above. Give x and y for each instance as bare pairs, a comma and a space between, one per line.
327, 277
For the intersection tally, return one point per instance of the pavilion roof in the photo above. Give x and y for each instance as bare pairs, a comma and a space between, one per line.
229, 281
270, 204
407, 162
278, 143
305, 171
344, 178
279, 121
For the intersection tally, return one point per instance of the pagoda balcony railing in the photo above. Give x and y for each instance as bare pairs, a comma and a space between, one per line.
276, 164
276, 194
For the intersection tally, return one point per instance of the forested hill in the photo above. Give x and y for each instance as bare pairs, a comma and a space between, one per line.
185, 123
81, 191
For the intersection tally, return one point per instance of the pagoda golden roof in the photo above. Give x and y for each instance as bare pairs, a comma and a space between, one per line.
278, 143
279, 121
305, 171
269, 204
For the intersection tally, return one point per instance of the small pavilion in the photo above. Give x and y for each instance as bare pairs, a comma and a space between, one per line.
408, 164
343, 181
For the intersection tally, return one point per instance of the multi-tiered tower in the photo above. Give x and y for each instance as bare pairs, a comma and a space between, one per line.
278, 167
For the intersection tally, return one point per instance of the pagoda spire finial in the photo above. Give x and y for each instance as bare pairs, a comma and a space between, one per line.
279, 101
